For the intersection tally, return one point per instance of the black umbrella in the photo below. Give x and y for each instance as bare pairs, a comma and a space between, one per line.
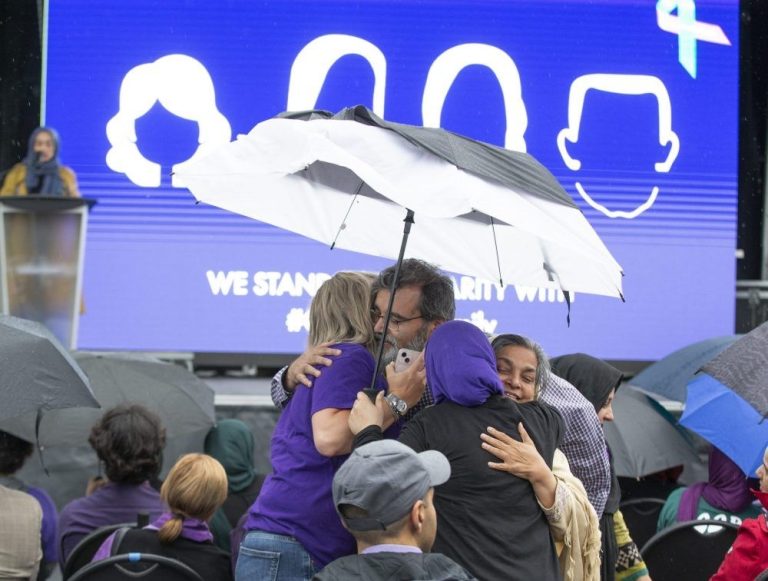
38, 374
183, 402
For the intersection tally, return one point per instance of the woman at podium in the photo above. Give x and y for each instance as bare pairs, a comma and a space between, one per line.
40, 172
42, 248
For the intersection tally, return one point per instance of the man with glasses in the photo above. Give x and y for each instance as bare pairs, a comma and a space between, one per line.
424, 298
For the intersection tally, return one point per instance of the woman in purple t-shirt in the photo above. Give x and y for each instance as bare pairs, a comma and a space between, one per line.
293, 522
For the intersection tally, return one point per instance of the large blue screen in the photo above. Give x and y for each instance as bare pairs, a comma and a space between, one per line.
632, 105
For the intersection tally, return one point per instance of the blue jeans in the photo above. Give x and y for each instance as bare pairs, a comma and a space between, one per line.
270, 557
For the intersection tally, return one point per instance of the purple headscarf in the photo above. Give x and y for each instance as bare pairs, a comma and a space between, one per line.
727, 489
461, 366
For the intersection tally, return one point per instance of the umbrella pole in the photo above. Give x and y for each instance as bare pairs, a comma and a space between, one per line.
392, 288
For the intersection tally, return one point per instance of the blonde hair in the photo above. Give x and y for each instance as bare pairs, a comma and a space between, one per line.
195, 487
341, 311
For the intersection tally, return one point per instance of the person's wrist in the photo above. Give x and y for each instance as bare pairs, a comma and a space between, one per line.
543, 476
289, 379
397, 405
405, 395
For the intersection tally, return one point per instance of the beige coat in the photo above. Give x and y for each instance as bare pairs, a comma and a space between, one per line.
20, 550
574, 525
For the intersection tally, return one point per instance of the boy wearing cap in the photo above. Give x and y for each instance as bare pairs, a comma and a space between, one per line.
383, 494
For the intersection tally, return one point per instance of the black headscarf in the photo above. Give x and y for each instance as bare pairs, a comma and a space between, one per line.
43, 176
593, 377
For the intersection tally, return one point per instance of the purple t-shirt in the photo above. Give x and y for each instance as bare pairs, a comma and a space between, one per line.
111, 504
296, 498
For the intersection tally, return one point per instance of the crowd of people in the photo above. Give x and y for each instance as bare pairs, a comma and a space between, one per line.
483, 459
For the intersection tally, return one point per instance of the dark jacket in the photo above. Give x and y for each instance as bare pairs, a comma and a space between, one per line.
394, 567
210, 562
487, 521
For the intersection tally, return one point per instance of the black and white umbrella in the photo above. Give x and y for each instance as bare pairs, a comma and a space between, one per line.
350, 180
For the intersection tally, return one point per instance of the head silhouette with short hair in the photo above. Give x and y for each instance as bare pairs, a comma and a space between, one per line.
625, 85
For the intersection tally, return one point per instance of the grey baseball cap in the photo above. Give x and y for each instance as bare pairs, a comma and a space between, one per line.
385, 479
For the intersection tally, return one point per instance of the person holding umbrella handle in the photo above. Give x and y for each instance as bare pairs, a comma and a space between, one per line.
423, 300
293, 521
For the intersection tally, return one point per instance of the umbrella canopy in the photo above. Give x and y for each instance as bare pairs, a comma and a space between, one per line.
644, 437
743, 367
39, 375
346, 180
183, 402
669, 376
728, 402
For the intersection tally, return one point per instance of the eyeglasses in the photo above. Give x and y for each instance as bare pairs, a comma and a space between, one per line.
394, 320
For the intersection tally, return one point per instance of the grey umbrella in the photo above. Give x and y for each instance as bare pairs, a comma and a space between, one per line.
670, 375
183, 402
644, 437
38, 374
743, 367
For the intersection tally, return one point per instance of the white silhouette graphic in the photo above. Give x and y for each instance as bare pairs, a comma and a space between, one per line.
623, 85
443, 72
313, 63
183, 86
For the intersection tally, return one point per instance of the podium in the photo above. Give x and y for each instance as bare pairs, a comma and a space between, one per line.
42, 249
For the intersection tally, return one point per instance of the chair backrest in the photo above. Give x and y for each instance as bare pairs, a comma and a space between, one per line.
690, 550
762, 576
142, 566
641, 516
84, 551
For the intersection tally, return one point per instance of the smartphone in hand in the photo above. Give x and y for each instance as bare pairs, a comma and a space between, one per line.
405, 358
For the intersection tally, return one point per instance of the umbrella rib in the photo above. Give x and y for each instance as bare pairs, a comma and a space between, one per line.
496, 246
344, 221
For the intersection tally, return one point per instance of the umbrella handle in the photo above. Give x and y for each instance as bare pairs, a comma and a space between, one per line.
38, 419
408, 220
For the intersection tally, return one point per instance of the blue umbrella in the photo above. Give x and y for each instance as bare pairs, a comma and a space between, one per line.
726, 420
670, 376
727, 404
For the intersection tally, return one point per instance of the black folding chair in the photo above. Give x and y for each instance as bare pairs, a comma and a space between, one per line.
142, 566
691, 550
84, 551
641, 516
